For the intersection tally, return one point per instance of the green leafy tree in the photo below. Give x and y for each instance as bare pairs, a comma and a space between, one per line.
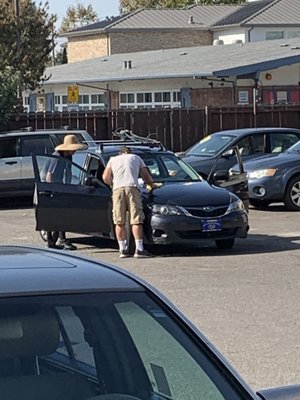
78, 16
132, 5
26, 45
9, 99
61, 57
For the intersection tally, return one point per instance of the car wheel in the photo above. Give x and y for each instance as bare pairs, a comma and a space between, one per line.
292, 194
225, 244
129, 236
43, 235
259, 203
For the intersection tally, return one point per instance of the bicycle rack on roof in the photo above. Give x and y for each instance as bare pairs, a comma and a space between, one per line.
127, 137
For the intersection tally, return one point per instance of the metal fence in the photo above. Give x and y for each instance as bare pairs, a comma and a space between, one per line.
177, 129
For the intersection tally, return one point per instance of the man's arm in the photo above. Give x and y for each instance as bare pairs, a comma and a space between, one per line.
107, 176
146, 176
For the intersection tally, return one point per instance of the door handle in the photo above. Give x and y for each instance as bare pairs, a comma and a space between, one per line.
47, 193
11, 162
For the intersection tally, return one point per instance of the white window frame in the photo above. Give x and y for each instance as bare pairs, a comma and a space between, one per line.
153, 104
61, 102
243, 97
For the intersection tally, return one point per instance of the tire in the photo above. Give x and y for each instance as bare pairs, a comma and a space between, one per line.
43, 235
292, 194
54, 236
225, 244
259, 203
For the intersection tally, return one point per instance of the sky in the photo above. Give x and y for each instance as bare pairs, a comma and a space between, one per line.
104, 8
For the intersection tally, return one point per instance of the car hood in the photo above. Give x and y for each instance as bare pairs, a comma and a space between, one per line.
272, 160
291, 392
188, 194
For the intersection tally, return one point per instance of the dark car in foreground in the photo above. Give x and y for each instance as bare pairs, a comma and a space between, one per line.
185, 210
76, 329
251, 143
275, 179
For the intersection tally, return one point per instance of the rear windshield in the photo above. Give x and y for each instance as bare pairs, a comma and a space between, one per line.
210, 145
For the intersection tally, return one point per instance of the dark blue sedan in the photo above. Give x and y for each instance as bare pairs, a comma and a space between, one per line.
275, 178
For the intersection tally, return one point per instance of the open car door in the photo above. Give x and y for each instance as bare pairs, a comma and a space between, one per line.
233, 179
80, 203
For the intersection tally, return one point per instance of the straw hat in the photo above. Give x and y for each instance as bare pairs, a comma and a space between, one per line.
70, 144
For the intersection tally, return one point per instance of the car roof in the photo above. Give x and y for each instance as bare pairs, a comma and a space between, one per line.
26, 132
28, 271
246, 131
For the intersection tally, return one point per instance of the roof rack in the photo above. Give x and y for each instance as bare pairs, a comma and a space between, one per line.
127, 137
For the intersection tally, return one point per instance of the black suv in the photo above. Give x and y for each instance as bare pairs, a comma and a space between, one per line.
186, 209
16, 149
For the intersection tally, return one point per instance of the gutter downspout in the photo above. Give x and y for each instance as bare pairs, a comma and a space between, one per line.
249, 34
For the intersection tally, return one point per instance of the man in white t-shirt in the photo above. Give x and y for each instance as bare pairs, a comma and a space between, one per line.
122, 173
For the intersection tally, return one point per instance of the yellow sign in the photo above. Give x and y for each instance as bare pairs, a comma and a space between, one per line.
73, 94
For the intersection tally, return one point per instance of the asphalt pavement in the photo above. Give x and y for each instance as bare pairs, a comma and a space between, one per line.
245, 300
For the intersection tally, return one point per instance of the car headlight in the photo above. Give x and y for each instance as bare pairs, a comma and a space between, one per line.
235, 205
261, 173
163, 209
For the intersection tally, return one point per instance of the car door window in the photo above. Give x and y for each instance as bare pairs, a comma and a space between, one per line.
8, 148
36, 145
112, 343
252, 144
281, 141
95, 167
61, 169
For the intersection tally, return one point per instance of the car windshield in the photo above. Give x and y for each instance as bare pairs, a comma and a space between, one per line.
294, 148
169, 168
210, 145
117, 346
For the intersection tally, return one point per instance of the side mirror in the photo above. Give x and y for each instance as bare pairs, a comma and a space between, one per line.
221, 175
228, 153
92, 181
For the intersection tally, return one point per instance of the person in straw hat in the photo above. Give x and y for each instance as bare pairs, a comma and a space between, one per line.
59, 170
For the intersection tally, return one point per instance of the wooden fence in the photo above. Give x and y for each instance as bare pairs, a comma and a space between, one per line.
177, 129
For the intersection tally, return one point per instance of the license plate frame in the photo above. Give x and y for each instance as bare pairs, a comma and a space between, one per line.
211, 225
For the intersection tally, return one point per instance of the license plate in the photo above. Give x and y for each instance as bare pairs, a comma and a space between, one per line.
211, 225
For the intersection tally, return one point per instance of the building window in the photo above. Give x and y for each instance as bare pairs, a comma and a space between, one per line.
84, 99
282, 97
274, 35
243, 97
156, 99
293, 34
97, 98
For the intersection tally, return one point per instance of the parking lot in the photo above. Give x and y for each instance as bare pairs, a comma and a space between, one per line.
246, 300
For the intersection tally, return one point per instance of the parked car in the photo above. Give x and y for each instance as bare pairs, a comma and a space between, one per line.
76, 329
275, 178
16, 148
251, 142
186, 209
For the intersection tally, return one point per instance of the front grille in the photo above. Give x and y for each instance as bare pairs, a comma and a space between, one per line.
202, 212
197, 234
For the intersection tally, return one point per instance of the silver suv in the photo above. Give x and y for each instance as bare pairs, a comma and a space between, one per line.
16, 148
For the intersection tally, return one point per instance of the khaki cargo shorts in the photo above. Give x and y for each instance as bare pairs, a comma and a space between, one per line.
127, 199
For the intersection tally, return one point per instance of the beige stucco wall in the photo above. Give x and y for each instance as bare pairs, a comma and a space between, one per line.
86, 47
143, 41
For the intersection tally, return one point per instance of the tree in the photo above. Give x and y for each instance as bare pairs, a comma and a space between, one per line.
131, 5
26, 45
78, 16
